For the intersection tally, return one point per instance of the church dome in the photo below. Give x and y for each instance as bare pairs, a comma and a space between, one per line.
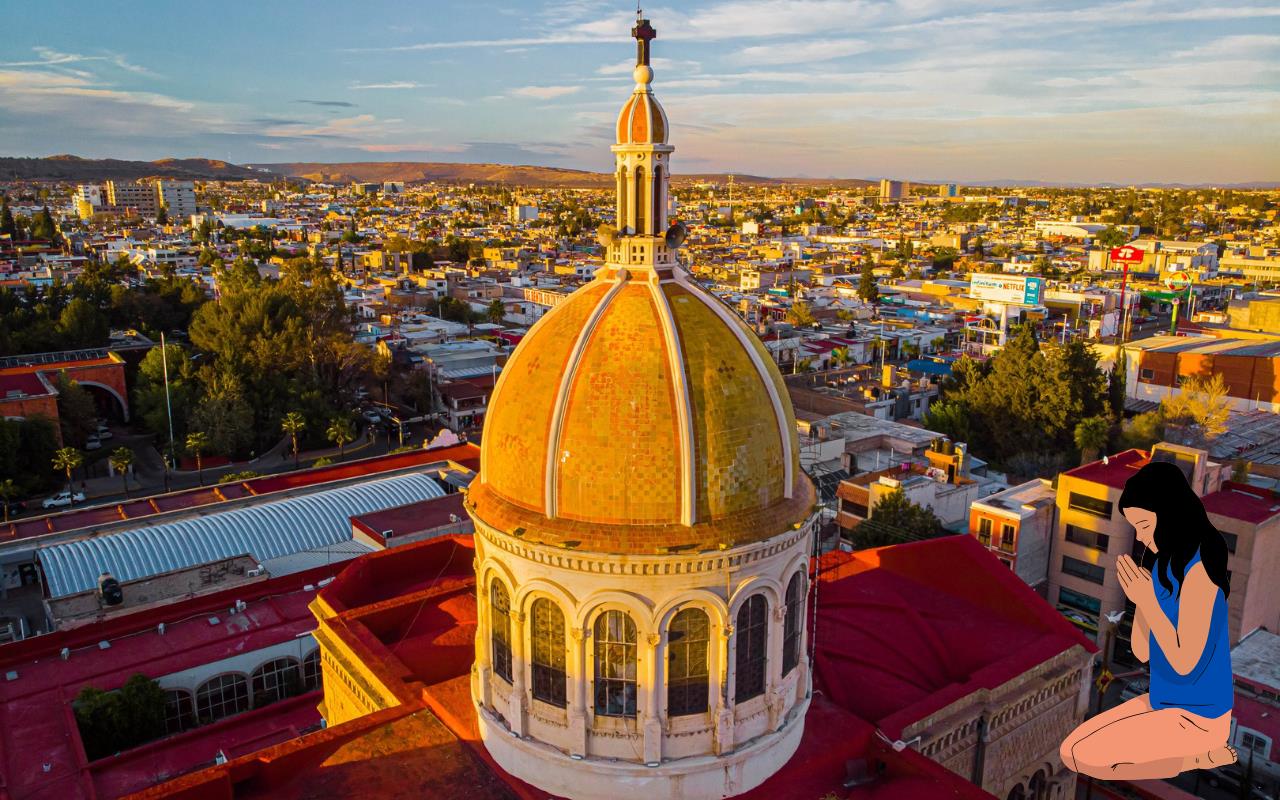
641, 416
642, 120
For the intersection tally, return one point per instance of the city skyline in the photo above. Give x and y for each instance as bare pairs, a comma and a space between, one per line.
988, 91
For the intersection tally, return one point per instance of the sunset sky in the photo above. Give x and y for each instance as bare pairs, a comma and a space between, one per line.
988, 90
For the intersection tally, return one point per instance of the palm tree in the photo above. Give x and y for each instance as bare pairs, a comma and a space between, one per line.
8, 489
197, 443
67, 459
340, 432
839, 356
1091, 436
293, 423
120, 459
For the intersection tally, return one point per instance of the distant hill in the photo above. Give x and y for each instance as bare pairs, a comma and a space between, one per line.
74, 168
409, 171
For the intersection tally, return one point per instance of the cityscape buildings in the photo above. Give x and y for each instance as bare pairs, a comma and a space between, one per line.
408, 479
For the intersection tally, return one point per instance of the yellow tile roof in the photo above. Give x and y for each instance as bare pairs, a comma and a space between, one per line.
594, 380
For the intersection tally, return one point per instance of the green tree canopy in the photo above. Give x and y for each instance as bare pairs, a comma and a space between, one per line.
894, 520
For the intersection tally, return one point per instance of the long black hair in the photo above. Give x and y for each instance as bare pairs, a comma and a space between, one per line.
1182, 525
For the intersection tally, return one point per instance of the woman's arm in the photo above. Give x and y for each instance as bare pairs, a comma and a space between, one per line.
1184, 644
1140, 637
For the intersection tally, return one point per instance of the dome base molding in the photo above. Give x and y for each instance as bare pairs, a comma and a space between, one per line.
693, 778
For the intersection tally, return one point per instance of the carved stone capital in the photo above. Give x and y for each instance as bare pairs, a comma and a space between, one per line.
727, 630
780, 612
653, 639
578, 634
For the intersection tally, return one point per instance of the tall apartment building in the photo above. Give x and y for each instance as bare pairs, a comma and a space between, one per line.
890, 190
88, 200
947, 190
177, 197
141, 197
1092, 533
146, 197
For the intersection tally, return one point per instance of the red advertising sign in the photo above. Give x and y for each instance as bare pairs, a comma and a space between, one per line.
1128, 254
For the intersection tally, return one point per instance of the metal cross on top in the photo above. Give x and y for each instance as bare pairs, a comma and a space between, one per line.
643, 33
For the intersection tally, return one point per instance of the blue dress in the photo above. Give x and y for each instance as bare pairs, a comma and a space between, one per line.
1207, 691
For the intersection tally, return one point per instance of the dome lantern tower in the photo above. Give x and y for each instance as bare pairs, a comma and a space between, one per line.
643, 527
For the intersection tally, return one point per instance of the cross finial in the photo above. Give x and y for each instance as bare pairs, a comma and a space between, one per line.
643, 33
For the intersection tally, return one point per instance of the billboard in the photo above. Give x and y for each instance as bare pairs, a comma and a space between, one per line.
1022, 289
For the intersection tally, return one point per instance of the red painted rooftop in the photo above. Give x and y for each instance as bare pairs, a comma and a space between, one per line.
467, 455
26, 382
1243, 502
37, 726
413, 517
957, 620
1115, 472
904, 631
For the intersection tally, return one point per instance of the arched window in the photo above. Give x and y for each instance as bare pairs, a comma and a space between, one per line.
687, 638
500, 629
752, 636
639, 202
1038, 788
622, 200
548, 652
276, 680
791, 626
178, 713
311, 671
221, 697
657, 200
615, 643
1017, 793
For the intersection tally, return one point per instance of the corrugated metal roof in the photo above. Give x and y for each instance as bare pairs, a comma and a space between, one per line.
266, 530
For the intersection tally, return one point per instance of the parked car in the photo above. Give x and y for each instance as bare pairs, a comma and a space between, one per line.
16, 507
93, 443
104, 434
62, 499
372, 415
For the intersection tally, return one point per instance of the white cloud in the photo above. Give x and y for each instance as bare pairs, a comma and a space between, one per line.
545, 92
388, 85
408, 147
801, 52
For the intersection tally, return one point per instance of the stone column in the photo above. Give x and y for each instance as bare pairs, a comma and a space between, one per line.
774, 700
579, 641
722, 741
481, 669
518, 705
652, 700
630, 223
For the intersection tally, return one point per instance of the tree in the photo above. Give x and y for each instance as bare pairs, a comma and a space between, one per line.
162, 216
293, 423
111, 722
1201, 408
1091, 436
24, 443
68, 459
944, 257
8, 491
224, 415
897, 272
77, 414
1142, 431
149, 401
7, 223
197, 443
1116, 386
800, 314
43, 226
867, 288
120, 459
894, 519
840, 357
81, 324
496, 312
1111, 236
341, 432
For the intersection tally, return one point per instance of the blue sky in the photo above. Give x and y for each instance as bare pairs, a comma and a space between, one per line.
967, 90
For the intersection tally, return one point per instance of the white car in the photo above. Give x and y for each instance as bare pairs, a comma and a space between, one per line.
370, 415
104, 434
63, 499
92, 443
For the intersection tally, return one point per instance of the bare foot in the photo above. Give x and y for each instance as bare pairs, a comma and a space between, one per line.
1218, 757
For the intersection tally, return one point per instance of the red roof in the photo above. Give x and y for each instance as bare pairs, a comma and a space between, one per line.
37, 703
26, 382
904, 631
1243, 502
414, 517
1115, 472
467, 455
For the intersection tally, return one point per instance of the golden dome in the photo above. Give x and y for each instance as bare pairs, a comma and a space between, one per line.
642, 120
641, 416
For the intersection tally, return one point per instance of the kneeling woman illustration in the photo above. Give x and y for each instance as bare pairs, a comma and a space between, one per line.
1180, 627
